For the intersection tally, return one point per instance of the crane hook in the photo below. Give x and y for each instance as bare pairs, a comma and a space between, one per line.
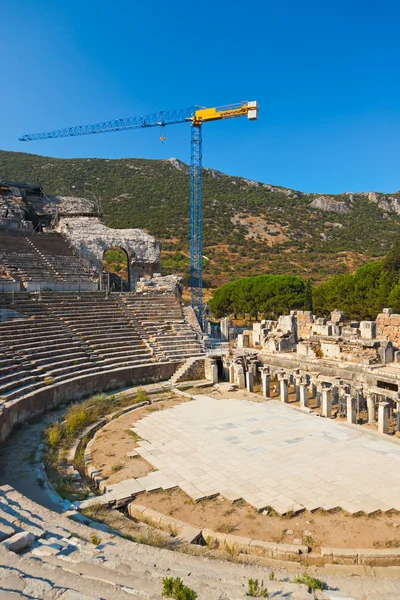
162, 138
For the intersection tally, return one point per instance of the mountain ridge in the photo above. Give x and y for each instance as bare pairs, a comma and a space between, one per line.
250, 227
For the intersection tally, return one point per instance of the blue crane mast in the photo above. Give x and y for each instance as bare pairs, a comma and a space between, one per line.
196, 116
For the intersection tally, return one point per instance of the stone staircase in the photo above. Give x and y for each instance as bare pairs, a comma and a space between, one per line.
40, 257
48, 555
190, 370
107, 330
52, 336
163, 322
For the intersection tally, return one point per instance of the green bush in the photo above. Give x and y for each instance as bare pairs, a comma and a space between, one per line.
142, 396
256, 590
76, 418
312, 583
54, 435
173, 587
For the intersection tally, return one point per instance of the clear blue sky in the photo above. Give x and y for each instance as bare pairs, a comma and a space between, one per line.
326, 75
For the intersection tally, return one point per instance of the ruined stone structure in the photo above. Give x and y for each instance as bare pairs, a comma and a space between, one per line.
91, 238
27, 211
345, 368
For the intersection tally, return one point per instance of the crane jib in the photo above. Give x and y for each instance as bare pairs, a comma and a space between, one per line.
196, 116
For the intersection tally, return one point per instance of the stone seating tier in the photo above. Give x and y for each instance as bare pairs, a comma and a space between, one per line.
40, 257
62, 335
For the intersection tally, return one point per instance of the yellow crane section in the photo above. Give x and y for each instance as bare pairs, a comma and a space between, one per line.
249, 109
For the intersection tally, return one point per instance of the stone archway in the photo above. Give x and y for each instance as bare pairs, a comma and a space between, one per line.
116, 265
91, 239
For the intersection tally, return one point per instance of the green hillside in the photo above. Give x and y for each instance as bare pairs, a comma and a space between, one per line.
249, 228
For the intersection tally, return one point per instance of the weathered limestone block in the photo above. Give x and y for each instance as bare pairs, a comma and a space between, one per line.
160, 284
240, 377
211, 370
265, 381
19, 542
368, 330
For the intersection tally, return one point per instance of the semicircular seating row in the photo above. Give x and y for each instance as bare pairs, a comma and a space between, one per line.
58, 336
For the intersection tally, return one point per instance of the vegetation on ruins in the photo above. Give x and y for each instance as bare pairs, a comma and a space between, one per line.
116, 261
312, 583
249, 228
61, 435
173, 587
267, 295
256, 589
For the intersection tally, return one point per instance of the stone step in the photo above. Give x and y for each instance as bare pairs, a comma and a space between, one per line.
111, 352
11, 386
50, 345
12, 377
69, 368
21, 390
123, 360
80, 373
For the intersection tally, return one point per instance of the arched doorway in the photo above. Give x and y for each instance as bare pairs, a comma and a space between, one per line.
116, 270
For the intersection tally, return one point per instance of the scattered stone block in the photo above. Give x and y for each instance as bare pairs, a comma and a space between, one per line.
5, 531
19, 542
189, 535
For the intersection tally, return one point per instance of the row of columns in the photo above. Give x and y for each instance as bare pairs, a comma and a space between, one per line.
326, 396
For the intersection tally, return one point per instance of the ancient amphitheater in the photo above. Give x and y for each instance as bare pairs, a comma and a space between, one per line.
132, 453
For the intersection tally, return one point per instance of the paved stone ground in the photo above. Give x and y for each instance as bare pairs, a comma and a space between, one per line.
268, 454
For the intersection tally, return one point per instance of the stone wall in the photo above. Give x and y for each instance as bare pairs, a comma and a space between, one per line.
388, 327
60, 286
304, 323
36, 403
159, 285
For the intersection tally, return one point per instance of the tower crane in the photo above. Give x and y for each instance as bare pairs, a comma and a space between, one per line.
195, 116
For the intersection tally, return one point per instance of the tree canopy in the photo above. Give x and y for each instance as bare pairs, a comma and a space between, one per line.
269, 295
360, 296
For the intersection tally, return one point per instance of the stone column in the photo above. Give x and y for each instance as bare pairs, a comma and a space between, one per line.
351, 409
231, 373
225, 368
224, 324
250, 381
303, 389
318, 394
326, 402
383, 417
371, 408
213, 372
398, 415
335, 395
283, 388
240, 378
297, 383
266, 382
